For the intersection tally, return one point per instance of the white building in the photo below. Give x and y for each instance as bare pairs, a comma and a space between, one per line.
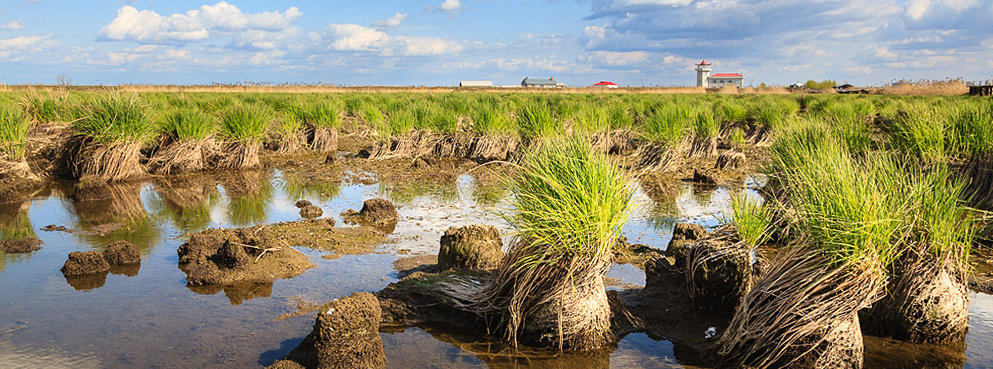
718, 80
476, 84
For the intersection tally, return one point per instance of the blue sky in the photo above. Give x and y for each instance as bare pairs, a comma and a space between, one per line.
439, 42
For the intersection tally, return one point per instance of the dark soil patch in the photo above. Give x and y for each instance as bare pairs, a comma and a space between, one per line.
122, 253
418, 264
21, 245
473, 247
85, 262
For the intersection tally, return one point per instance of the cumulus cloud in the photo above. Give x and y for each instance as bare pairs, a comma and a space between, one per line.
615, 58
391, 22
354, 37
28, 43
147, 26
12, 26
452, 7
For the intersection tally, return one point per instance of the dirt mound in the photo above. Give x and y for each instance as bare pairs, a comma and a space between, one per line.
716, 274
687, 232
378, 212
224, 256
303, 203
311, 211
345, 335
730, 160
85, 262
471, 247
20, 245
122, 253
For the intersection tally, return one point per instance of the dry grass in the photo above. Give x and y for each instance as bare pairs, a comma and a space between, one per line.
929, 87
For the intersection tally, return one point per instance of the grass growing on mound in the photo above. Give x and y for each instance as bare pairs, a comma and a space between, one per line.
569, 201
116, 117
245, 123
489, 120
668, 124
570, 206
751, 219
320, 114
189, 123
14, 126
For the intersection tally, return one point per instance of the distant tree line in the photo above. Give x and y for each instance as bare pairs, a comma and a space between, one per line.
827, 83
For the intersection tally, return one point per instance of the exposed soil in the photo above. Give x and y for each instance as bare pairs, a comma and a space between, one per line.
224, 256
470, 247
122, 253
20, 245
85, 262
345, 335
415, 266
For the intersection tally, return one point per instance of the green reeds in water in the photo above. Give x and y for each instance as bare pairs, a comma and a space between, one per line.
14, 126
570, 206
751, 219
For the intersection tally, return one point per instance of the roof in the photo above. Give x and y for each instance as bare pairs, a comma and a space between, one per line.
605, 83
539, 81
726, 75
703, 62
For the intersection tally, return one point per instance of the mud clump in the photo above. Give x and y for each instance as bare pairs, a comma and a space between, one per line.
705, 177
85, 262
20, 245
379, 212
225, 256
311, 211
345, 335
687, 232
474, 247
122, 253
302, 204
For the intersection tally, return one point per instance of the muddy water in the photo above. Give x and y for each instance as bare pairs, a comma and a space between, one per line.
149, 317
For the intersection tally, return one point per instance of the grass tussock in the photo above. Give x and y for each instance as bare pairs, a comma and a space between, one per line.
14, 126
192, 134
109, 138
570, 206
244, 128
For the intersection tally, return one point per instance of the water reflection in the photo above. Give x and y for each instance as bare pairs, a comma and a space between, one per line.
301, 187
83, 282
237, 292
112, 212
249, 196
449, 347
14, 225
187, 201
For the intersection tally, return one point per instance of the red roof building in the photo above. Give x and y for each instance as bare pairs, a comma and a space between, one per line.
606, 84
727, 75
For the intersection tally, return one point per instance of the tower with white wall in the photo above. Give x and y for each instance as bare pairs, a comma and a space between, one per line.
702, 72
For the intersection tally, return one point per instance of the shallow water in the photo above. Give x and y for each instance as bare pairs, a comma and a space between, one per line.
149, 317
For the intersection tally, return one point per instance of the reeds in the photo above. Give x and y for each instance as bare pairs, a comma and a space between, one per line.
110, 136
14, 126
243, 127
192, 134
570, 205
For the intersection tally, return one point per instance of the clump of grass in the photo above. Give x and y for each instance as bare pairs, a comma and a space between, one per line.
109, 138
244, 126
737, 140
570, 206
14, 126
665, 132
324, 119
751, 219
192, 132
705, 131
535, 121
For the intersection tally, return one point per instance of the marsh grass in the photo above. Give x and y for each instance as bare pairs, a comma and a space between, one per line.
570, 205
751, 219
14, 126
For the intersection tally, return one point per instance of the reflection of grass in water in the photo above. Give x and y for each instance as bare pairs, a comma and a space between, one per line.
15, 224
251, 208
187, 202
405, 194
489, 195
10, 259
298, 189
140, 231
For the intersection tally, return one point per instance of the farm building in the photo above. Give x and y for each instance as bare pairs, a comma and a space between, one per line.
475, 83
605, 84
717, 80
541, 83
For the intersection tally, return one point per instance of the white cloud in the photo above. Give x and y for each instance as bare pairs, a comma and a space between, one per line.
615, 58
391, 22
354, 37
12, 26
147, 26
174, 54
450, 6
28, 42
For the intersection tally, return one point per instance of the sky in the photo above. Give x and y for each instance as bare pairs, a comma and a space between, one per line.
440, 42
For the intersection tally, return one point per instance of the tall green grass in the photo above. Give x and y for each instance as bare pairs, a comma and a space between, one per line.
245, 123
14, 125
569, 201
189, 123
535, 120
751, 219
116, 117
